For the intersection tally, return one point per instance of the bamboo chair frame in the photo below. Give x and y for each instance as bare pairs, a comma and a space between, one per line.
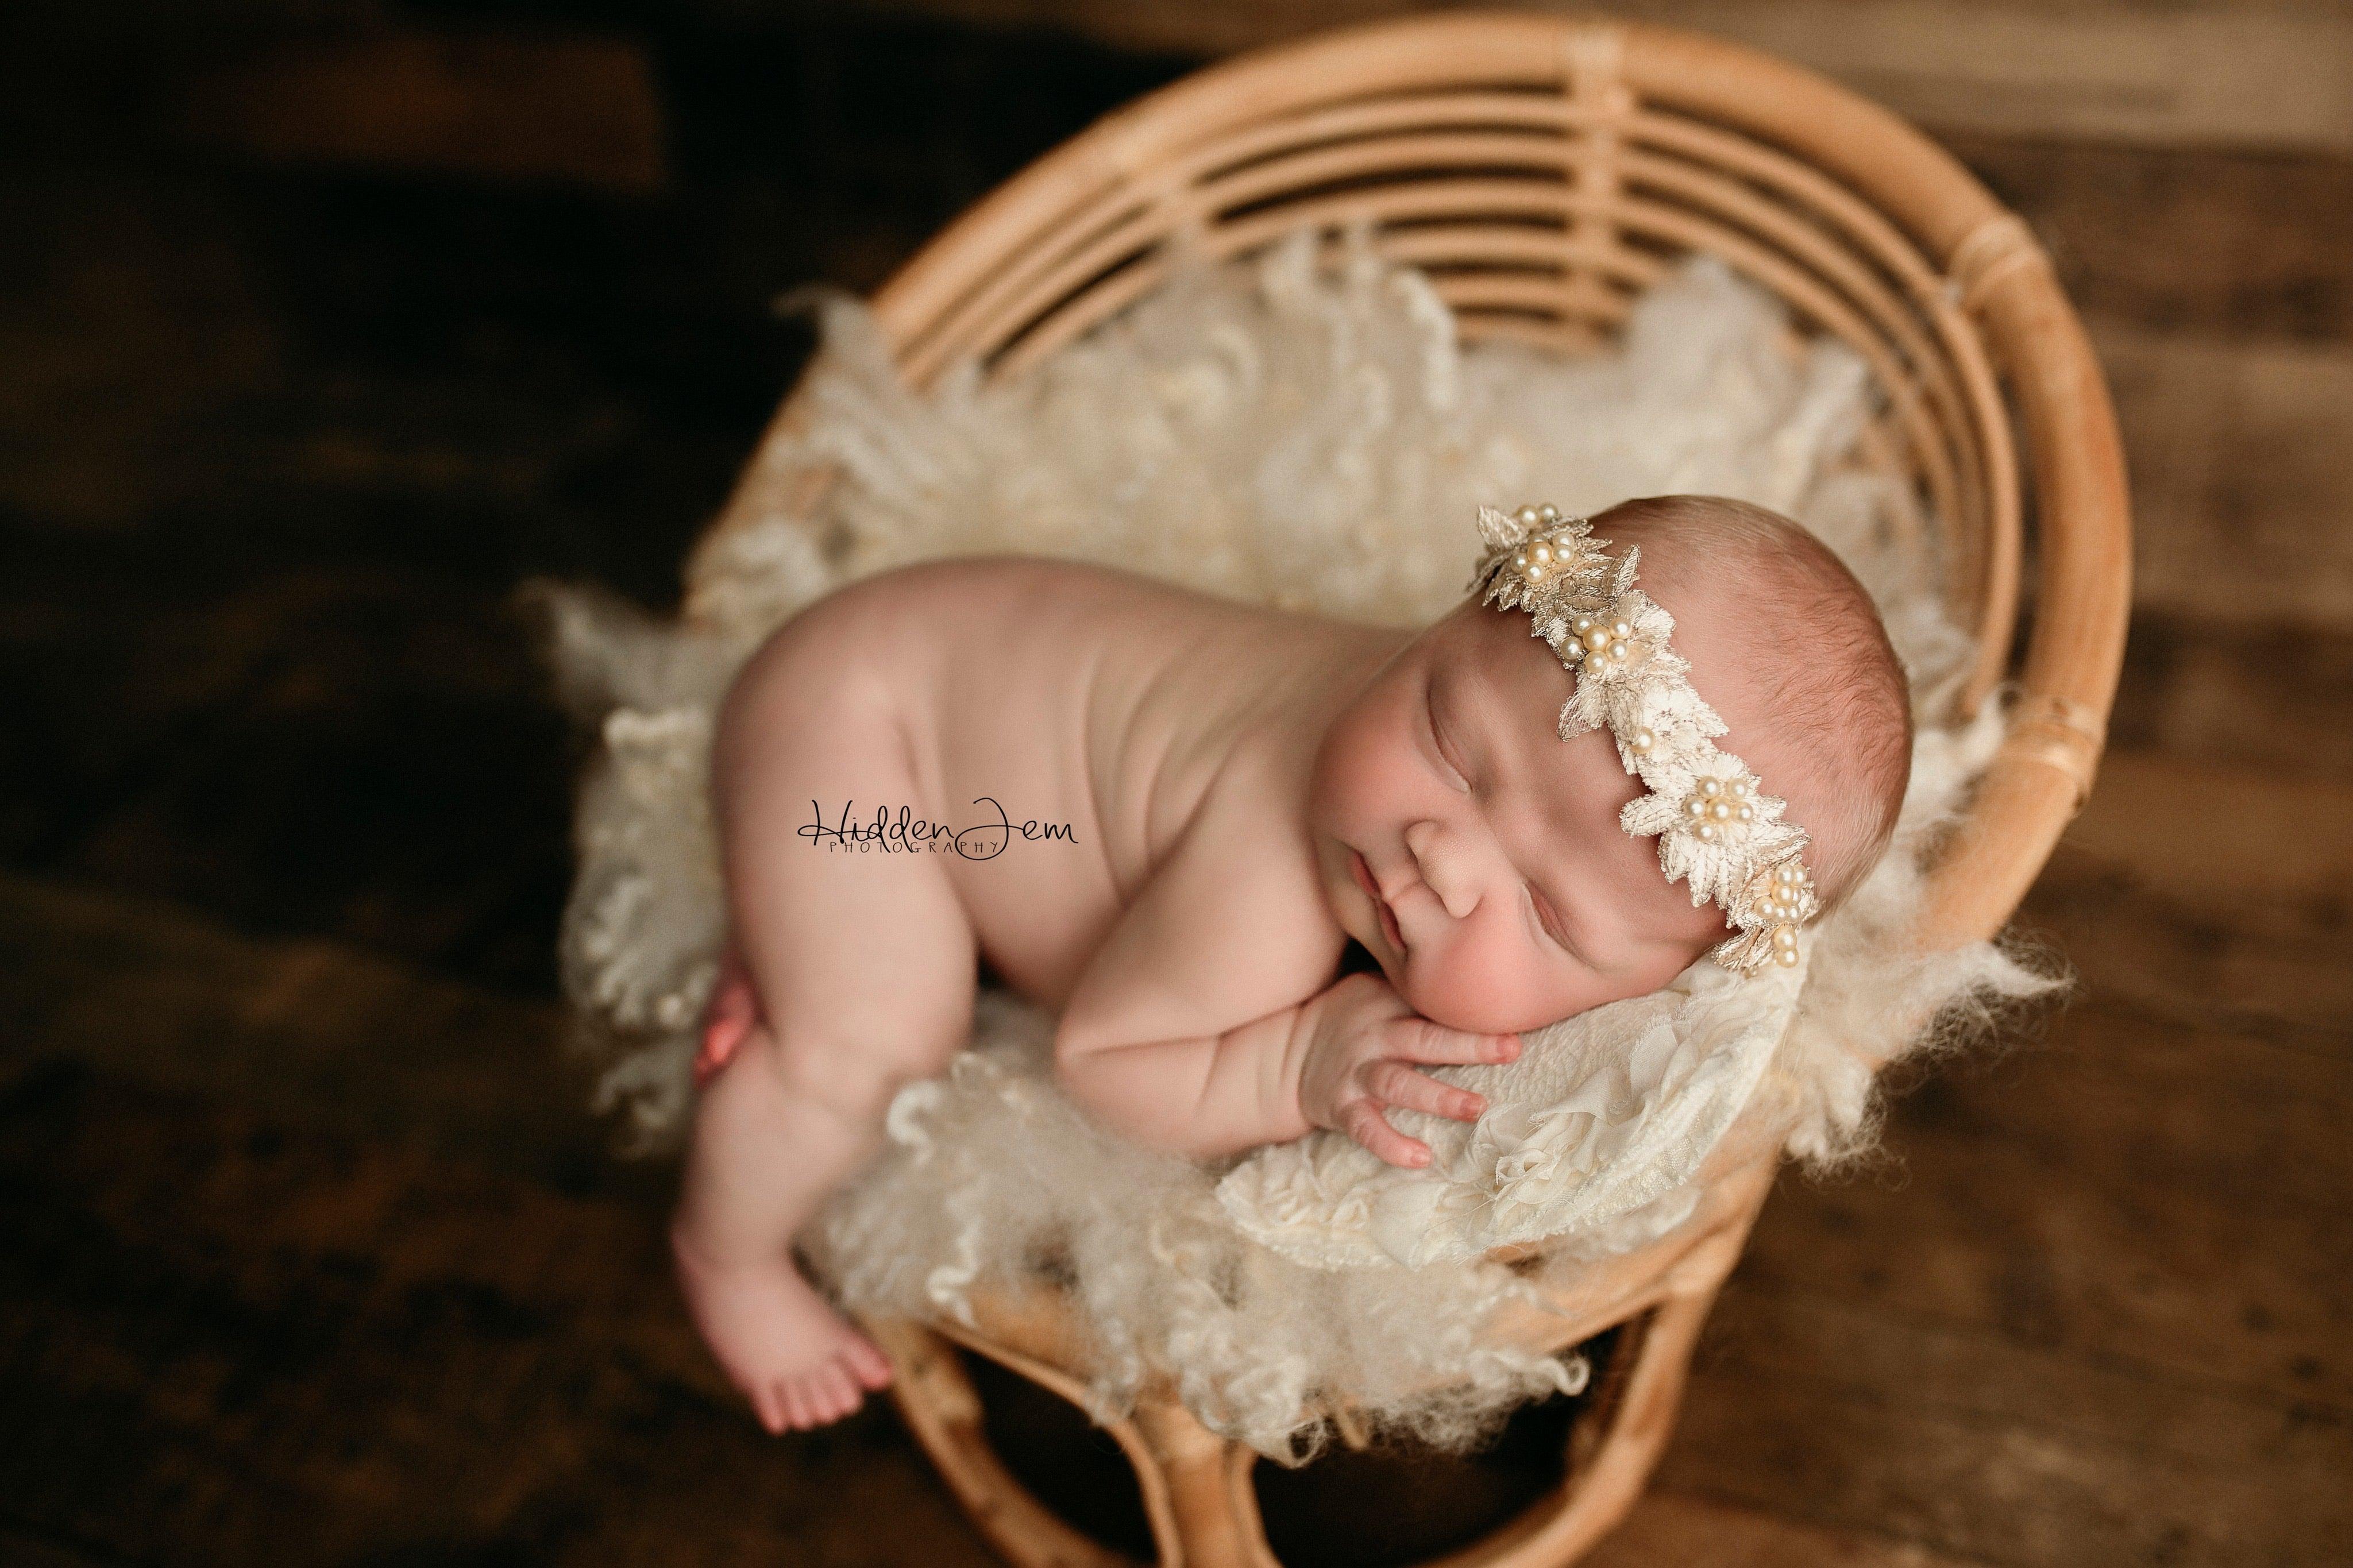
1545, 169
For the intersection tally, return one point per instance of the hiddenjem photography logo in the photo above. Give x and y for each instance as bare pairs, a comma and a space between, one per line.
907, 834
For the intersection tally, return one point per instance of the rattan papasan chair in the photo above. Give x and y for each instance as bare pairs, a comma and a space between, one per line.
1544, 170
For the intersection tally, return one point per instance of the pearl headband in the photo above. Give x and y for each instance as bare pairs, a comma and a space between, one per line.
1716, 827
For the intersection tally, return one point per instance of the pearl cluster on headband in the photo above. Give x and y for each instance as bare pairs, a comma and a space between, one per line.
1718, 831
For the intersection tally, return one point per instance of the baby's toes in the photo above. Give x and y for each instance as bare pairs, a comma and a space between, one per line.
796, 1403
832, 1394
869, 1366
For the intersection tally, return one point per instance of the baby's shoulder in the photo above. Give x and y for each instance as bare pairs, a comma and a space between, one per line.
1248, 841
891, 623
1037, 582
1000, 603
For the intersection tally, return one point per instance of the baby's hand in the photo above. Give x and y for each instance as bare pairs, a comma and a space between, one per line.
1362, 1035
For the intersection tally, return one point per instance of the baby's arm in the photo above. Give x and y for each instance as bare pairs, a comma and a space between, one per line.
1149, 1045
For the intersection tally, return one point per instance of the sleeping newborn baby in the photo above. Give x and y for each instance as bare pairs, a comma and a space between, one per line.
1167, 816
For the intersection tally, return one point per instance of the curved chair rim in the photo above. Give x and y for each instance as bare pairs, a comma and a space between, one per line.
1993, 270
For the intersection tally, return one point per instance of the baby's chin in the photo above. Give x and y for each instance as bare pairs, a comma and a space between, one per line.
1450, 1007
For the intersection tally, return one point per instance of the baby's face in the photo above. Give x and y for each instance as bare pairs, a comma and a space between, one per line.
1508, 896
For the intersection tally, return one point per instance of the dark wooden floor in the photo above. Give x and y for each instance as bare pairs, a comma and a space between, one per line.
311, 1255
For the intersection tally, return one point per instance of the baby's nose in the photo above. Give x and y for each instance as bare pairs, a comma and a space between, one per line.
1437, 869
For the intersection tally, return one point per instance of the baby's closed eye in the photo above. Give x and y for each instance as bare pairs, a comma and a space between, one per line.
1458, 776
1545, 921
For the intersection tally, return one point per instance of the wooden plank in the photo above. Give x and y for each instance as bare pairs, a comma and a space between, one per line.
566, 106
2206, 74
1671, 1527
2273, 75
2095, 1303
1851, 1417
2256, 695
2229, 242
259, 1340
2128, 1195
2210, 893
305, 1029
2154, 1177
2238, 837
24, 1551
315, 1258
412, 704
2238, 489
2056, 1342
2282, 972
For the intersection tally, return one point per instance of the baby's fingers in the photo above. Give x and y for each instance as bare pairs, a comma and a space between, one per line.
1417, 1040
1399, 1085
1362, 1121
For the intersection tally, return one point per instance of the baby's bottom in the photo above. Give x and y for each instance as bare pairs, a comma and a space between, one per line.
863, 964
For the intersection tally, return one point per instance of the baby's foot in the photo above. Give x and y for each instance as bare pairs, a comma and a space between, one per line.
792, 1355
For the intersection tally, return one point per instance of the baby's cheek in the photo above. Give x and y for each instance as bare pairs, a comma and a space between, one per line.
1470, 983
1357, 774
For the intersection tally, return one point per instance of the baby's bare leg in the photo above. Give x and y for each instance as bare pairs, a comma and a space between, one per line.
863, 967
758, 1171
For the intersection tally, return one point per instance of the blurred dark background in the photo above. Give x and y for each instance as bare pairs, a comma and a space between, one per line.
324, 323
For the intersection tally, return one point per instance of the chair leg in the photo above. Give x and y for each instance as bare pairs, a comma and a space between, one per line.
1610, 1459
1211, 1506
941, 1408
1195, 1486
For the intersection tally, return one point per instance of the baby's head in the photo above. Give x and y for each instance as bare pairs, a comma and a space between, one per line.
1509, 896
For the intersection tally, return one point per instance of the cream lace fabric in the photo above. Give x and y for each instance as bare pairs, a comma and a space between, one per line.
1601, 1117
1281, 433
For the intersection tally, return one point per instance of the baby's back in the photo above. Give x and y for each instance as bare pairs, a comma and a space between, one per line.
1098, 712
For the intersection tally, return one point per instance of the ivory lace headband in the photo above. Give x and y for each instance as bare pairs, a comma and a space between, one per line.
1717, 829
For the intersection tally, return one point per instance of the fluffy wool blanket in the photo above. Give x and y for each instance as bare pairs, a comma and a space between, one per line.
1226, 433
